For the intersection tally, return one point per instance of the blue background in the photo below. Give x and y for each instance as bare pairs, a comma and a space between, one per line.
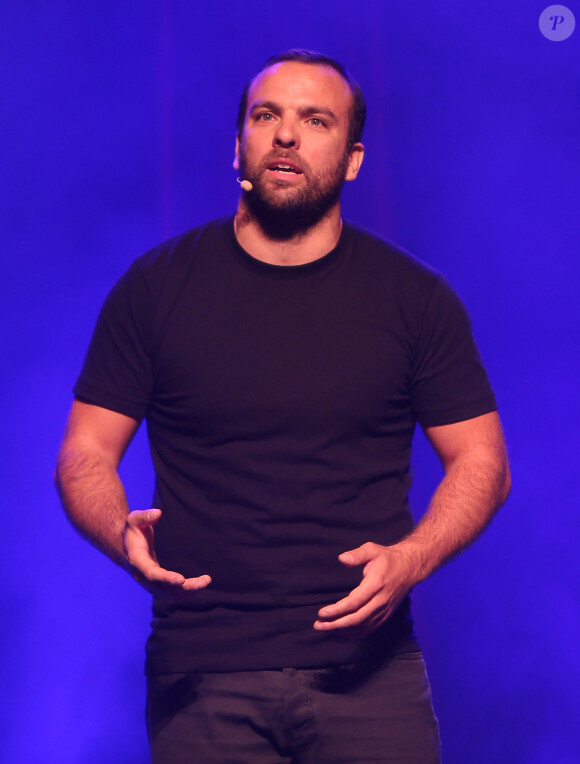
117, 131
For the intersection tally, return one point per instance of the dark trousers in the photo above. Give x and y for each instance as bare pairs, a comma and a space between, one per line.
347, 715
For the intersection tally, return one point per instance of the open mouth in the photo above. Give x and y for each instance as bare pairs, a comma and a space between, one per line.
287, 169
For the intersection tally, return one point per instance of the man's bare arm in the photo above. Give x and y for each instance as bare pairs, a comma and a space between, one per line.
475, 485
86, 476
94, 498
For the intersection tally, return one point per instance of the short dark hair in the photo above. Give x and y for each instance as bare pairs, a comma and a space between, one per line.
358, 111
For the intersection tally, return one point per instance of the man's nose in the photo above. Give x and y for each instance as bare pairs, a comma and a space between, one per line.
287, 134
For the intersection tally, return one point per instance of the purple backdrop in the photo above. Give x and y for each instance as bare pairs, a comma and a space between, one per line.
118, 130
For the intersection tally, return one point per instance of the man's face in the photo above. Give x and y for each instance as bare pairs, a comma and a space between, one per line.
294, 143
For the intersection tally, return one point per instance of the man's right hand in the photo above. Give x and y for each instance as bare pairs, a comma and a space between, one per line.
142, 560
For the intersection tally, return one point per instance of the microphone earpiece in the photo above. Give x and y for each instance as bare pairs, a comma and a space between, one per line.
245, 185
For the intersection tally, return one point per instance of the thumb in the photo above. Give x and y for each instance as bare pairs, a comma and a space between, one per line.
142, 518
357, 556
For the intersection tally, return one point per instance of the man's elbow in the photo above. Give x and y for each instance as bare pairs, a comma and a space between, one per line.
58, 467
71, 464
59, 480
507, 486
505, 481
495, 471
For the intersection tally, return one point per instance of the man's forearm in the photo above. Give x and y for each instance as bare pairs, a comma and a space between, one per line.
473, 489
94, 499
475, 485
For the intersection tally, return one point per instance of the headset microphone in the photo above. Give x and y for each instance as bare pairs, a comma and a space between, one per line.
245, 185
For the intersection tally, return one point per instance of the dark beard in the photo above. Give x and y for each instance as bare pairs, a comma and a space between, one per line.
286, 216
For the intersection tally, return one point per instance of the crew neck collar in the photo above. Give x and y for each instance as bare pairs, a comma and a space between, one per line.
287, 271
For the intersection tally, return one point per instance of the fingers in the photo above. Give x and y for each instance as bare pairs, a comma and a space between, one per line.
142, 518
138, 541
152, 572
350, 610
360, 555
373, 600
167, 583
364, 592
360, 621
194, 584
163, 587
142, 560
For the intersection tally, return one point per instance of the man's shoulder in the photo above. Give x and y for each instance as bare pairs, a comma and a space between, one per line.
179, 249
381, 254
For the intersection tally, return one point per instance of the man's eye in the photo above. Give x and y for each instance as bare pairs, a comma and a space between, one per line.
317, 122
266, 116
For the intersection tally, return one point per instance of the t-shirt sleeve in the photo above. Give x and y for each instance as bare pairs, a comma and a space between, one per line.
117, 373
449, 383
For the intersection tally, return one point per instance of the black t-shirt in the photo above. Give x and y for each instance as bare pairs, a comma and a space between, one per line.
281, 403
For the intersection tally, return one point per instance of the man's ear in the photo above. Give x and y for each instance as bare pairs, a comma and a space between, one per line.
237, 154
355, 159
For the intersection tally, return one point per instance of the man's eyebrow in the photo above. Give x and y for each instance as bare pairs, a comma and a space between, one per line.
324, 110
303, 111
271, 105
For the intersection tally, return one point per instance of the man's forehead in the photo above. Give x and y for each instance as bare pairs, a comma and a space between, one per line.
300, 80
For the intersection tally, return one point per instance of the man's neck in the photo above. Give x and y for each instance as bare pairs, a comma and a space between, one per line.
304, 247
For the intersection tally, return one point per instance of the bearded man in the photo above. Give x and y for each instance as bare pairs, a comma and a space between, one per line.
281, 359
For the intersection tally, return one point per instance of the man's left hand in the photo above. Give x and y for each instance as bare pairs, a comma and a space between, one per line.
387, 578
